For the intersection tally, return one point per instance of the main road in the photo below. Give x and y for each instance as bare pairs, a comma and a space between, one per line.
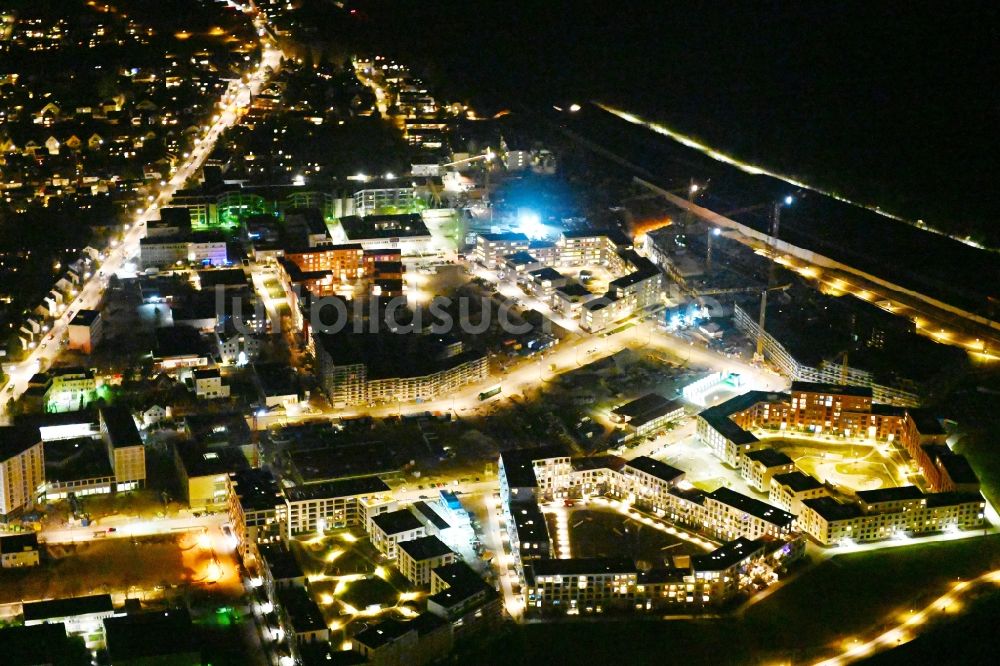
567, 356
91, 292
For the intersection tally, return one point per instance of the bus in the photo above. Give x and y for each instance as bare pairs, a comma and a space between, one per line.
490, 392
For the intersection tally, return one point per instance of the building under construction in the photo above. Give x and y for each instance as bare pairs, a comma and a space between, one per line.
810, 336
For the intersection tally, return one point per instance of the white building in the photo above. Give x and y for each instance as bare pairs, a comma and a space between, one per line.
22, 468
208, 384
320, 506
389, 529
416, 558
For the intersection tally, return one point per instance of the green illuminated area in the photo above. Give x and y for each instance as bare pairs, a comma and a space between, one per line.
418, 206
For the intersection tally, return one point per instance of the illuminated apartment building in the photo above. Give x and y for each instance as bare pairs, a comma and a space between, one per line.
889, 513
22, 468
316, 507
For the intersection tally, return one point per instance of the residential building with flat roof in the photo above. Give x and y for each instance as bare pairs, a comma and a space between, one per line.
319, 506
788, 490
389, 529
22, 467
416, 558
85, 331
758, 466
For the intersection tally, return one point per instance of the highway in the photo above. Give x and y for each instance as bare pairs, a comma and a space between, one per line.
119, 255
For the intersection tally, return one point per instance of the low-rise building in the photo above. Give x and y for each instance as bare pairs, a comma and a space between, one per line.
423, 640
647, 415
160, 637
83, 616
19, 550
208, 384
647, 482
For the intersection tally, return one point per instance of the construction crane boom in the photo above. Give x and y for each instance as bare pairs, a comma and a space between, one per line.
775, 223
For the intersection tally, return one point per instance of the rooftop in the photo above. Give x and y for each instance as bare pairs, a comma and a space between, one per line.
718, 416
389, 354
218, 430
951, 499
507, 237
383, 633
222, 277
174, 341
547, 273
280, 562
344, 488
580, 463
640, 406
670, 407
529, 523
520, 259
55, 609
16, 439
797, 481
769, 458
832, 389
76, 459
727, 555
257, 490
150, 636
655, 468
430, 515
396, 522
18, 543
199, 461
880, 495
830, 509
383, 226
518, 464
37, 644
754, 507
574, 290
424, 548
583, 566
85, 318
462, 582
303, 612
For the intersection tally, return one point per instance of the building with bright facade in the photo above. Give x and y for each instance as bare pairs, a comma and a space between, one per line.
753, 534
949, 501
316, 507
22, 468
